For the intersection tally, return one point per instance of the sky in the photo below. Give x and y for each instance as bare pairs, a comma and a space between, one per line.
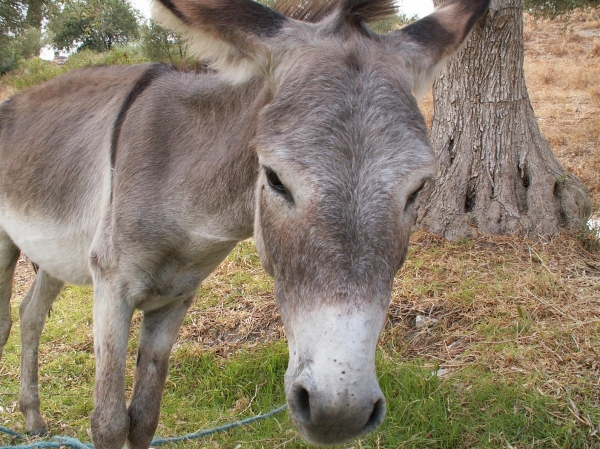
419, 7
408, 7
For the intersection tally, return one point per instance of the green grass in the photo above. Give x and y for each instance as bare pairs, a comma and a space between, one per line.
473, 408
479, 404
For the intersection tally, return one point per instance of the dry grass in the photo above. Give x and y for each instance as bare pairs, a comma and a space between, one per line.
540, 297
515, 305
526, 312
562, 67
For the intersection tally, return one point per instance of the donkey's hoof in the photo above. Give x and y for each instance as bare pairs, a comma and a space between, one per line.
38, 429
38, 432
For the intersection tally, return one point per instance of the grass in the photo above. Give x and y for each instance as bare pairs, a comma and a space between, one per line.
499, 367
489, 343
561, 67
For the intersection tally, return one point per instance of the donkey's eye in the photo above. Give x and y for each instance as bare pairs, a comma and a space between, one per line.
274, 180
413, 197
276, 183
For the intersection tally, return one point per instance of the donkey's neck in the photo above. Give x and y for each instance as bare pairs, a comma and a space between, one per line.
209, 126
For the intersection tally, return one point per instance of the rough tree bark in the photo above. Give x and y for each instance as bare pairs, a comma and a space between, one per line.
495, 172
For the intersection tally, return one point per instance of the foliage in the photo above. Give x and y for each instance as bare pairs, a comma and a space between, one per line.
392, 23
20, 32
33, 71
36, 11
161, 44
29, 42
21, 46
11, 16
8, 56
11, 21
553, 8
118, 55
18, 40
30, 72
96, 25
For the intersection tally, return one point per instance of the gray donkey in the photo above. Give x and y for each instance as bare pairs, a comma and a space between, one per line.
140, 180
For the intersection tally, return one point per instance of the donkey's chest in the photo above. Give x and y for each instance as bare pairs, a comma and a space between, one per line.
175, 275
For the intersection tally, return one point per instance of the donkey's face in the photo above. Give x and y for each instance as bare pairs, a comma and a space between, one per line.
343, 151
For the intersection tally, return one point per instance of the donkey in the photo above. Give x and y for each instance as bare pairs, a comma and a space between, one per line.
141, 179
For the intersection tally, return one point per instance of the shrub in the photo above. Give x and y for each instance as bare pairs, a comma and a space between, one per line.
163, 45
15, 48
553, 8
118, 55
94, 24
32, 71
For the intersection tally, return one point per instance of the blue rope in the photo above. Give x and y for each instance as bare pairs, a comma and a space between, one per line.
74, 443
205, 433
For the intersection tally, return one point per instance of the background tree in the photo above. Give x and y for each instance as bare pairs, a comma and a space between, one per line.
36, 11
11, 16
495, 172
161, 44
12, 22
94, 24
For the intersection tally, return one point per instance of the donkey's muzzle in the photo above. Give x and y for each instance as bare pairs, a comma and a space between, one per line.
334, 417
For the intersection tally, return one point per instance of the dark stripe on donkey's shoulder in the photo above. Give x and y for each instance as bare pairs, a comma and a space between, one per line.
154, 72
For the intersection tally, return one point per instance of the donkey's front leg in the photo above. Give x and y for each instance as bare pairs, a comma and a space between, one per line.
112, 320
157, 337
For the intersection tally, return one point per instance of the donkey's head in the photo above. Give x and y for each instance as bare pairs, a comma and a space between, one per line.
343, 150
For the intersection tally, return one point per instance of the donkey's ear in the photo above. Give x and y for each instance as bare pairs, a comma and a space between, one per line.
428, 43
233, 35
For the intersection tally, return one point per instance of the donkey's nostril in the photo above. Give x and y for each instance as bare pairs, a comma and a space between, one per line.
300, 404
376, 417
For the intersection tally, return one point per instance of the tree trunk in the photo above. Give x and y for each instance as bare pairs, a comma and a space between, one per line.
35, 14
495, 172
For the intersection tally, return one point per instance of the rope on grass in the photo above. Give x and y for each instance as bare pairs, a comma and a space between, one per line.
74, 443
58, 442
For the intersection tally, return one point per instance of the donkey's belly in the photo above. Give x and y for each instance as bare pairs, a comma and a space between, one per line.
60, 249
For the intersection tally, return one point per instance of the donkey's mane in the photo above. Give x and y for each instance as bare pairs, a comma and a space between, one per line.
353, 12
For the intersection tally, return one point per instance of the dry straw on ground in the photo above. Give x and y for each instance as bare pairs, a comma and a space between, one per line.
515, 305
